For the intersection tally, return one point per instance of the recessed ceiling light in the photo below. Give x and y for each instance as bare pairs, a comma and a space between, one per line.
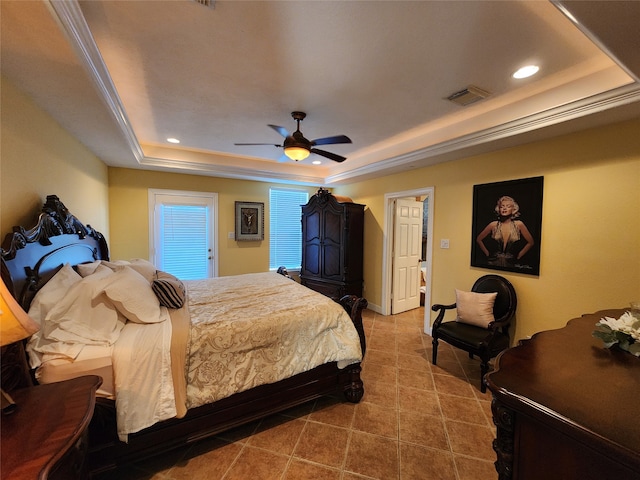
317, 162
527, 71
173, 140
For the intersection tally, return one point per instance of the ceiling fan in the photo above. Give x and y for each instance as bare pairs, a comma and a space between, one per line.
297, 148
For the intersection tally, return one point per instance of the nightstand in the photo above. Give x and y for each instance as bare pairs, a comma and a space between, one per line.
46, 436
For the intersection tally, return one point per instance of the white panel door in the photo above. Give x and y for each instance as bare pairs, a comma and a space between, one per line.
407, 243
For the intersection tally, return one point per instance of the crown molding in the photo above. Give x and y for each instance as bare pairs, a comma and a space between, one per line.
72, 21
70, 18
226, 171
618, 97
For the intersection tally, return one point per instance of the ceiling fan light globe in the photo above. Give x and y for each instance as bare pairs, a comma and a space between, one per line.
296, 153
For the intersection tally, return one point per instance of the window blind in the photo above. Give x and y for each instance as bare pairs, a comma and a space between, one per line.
285, 238
184, 231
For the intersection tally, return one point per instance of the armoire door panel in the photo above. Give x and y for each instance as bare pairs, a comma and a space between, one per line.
331, 263
312, 262
311, 227
332, 227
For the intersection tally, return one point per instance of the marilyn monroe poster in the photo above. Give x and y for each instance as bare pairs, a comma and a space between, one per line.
507, 221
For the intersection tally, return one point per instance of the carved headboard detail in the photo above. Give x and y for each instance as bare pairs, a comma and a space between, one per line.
28, 258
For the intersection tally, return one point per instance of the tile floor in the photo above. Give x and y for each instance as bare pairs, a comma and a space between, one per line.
416, 421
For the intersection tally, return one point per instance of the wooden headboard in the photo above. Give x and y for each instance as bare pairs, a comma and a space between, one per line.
31, 256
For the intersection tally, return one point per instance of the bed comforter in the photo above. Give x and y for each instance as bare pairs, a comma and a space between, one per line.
249, 330
232, 334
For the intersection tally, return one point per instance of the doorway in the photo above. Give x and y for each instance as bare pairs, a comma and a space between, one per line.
407, 254
427, 196
183, 233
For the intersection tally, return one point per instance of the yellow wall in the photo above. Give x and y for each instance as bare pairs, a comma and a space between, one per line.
590, 249
129, 215
39, 158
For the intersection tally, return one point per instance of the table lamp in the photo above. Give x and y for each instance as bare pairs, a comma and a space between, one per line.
15, 325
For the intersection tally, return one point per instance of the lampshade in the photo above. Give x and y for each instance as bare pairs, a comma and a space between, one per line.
15, 324
296, 153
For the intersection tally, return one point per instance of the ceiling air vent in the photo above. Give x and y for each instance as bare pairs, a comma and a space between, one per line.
206, 3
469, 95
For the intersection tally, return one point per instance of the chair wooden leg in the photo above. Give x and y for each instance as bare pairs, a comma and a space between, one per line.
434, 356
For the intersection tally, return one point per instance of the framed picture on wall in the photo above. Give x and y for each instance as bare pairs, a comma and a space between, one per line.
507, 223
249, 221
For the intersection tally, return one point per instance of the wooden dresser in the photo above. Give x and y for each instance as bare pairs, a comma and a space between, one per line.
567, 408
332, 241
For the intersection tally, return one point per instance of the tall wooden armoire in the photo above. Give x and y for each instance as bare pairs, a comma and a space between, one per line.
332, 241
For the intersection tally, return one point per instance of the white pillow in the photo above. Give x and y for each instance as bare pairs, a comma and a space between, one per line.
140, 265
52, 292
144, 268
86, 269
475, 308
132, 295
85, 315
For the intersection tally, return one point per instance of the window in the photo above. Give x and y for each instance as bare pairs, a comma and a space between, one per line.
285, 238
182, 233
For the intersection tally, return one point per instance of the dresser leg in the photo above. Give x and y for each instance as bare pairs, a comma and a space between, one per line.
503, 418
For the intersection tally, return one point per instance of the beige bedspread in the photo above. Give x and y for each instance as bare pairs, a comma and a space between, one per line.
255, 329
233, 334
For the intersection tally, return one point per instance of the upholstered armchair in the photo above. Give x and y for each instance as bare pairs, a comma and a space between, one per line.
481, 326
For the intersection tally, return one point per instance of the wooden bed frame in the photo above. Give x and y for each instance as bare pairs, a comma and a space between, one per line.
30, 257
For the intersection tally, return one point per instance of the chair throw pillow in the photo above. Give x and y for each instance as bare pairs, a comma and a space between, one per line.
169, 290
475, 308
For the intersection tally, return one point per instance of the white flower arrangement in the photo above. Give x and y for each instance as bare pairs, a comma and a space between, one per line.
624, 332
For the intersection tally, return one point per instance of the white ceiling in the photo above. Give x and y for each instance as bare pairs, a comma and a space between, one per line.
122, 76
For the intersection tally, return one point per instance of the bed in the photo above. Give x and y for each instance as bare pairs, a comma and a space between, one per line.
314, 345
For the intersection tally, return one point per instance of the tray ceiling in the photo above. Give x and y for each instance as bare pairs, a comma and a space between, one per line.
123, 76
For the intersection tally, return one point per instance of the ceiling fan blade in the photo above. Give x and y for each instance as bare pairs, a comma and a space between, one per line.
331, 140
281, 130
275, 145
329, 155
